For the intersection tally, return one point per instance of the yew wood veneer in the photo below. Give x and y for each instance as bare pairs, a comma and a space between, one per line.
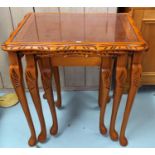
54, 39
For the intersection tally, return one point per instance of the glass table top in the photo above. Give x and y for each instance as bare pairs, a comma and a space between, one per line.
70, 27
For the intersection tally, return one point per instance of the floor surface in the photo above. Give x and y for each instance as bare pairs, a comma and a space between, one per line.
78, 121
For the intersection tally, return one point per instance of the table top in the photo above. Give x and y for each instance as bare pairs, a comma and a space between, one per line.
76, 31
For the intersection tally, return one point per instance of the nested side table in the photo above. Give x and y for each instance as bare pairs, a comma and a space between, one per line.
52, 40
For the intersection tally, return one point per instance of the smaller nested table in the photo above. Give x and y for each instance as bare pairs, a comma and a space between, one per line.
53, 40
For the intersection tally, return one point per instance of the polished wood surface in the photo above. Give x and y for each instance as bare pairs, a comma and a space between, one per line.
112, 33
76, 40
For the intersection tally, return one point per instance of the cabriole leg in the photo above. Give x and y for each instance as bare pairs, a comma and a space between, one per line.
136, 71
105, 87
32, 83
46, 74
121, 75
16, 76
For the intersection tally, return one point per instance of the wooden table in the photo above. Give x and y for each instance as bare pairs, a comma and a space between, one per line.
55, 40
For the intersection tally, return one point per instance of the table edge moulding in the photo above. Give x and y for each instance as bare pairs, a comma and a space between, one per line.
52, 47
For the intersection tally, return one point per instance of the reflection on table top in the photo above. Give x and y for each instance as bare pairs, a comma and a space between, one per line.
71, 27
